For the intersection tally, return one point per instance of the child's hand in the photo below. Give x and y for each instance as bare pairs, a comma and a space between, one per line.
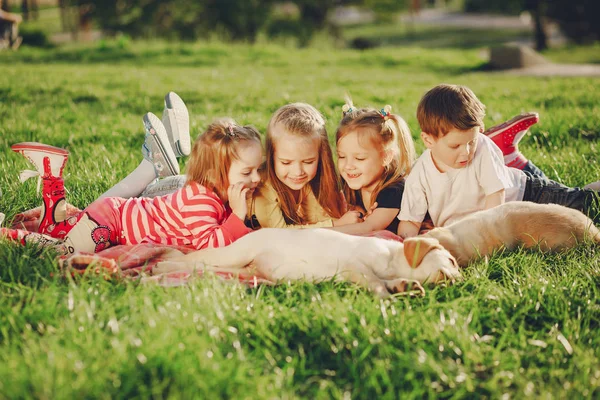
351, 217
237, 199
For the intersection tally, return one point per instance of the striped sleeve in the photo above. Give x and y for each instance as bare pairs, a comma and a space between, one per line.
208, 221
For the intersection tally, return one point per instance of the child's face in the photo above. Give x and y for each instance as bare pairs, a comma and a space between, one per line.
360, 163
454, 150
245, 169
296, 160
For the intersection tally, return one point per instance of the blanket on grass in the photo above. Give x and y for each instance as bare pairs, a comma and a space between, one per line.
136, 261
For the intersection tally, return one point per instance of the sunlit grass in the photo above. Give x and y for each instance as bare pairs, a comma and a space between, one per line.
521, 324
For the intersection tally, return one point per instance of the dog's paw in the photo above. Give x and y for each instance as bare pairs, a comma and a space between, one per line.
407, 287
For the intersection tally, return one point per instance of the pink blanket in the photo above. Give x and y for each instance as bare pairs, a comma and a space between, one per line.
137, 260
131, 260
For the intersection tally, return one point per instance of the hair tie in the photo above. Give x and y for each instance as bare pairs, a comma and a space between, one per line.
346, 108
230, 131
386, 112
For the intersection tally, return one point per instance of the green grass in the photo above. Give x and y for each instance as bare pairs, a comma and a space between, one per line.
572, 54
520, 324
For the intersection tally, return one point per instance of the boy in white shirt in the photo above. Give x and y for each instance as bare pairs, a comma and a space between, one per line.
462, 171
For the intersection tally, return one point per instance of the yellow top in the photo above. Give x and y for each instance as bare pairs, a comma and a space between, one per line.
266, 209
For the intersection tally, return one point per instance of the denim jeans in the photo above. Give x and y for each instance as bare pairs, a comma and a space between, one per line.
533, 169
164, 186
546, 191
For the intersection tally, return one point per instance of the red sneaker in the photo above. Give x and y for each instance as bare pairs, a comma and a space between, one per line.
507, 135
49, 162
55, 205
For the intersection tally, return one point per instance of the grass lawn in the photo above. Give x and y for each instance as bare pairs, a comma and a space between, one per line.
521, 324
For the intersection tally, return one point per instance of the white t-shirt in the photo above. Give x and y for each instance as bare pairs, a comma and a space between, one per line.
452, 195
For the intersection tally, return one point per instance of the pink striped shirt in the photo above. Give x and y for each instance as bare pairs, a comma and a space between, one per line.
192, 216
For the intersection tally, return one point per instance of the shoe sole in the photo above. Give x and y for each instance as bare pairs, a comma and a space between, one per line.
529, 118
151, 121
24, 146
177, 116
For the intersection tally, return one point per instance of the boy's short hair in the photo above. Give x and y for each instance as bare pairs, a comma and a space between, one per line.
447, 107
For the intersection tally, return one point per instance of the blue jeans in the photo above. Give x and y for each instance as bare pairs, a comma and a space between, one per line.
533, 170
545, 191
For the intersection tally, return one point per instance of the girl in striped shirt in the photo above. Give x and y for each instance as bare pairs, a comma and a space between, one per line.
208, 211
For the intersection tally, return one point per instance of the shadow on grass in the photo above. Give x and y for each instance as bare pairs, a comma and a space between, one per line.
434, 37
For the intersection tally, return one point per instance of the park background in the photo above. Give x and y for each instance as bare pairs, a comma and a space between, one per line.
521, 323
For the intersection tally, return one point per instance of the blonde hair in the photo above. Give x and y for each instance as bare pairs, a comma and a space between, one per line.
303, 120
390, 135
447, 107
215, 150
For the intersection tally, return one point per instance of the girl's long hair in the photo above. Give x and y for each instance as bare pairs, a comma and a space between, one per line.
214, 151
305, 121
389, 133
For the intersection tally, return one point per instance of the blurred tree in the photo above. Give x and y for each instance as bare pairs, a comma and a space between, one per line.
65, 20
578, 19
537, 8
235, 19
29, 9
239, 19
512, 7
386, 10
312, 18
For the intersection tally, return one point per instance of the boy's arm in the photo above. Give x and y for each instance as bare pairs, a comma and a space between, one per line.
408, 229
495, 199
414, 206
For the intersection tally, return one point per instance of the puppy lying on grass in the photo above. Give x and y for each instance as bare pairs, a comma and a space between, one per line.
549, 226
381, 265
388, 266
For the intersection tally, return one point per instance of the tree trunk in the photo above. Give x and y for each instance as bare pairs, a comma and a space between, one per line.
34, 10
64, 15
539, 19
25, 10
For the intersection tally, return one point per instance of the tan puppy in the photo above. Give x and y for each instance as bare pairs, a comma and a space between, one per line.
549, 226
316, 254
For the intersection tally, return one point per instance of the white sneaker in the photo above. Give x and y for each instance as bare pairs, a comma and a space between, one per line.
176, 120
157, 149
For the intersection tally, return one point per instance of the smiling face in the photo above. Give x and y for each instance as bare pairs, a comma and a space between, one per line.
296, 159
245, 168
455, 150
360, 163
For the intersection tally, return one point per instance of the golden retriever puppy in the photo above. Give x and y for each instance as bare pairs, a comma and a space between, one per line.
381, 265
549, 226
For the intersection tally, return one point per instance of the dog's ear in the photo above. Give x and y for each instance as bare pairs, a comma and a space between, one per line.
417, 247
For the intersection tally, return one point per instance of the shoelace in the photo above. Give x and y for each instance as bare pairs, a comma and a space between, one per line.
27, 174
